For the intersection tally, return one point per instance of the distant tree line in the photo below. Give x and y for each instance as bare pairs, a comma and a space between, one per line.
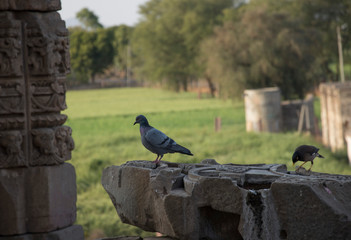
233, 45
94, 48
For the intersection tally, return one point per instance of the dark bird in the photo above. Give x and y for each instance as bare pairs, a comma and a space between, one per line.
156, 141
305, 153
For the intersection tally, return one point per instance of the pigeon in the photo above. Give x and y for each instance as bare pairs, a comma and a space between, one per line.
156, 141
305, 153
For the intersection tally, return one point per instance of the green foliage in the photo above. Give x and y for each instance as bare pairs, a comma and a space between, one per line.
167, 40
263, 49
323, 16
290, 44
121, 46
88, 19
103, 131
91, 52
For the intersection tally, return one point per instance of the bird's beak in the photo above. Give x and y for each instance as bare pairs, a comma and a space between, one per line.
135, 122
293, 163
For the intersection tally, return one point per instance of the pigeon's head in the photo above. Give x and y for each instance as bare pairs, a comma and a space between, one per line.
141, 119
296, 157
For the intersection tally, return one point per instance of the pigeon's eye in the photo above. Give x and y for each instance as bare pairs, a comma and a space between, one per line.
297, 158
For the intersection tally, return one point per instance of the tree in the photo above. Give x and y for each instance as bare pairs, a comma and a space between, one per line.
91, 52
325, 16
258, 48
121, 44
89, 20
81, 49
167, 39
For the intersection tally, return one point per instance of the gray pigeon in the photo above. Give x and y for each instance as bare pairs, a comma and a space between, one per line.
156, 141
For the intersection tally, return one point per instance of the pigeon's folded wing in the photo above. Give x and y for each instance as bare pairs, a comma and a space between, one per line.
157, 138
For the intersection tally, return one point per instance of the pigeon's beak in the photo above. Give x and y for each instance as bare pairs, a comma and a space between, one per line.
135, 122
294, 163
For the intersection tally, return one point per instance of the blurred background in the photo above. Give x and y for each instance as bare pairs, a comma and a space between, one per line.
184, 64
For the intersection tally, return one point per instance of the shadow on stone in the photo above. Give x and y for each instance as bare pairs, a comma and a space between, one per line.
218, 225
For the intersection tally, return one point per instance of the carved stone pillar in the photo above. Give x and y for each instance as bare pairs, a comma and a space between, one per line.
37, 189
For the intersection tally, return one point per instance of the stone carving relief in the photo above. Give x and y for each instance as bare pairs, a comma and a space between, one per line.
51, 145
37, 201
48, 98
10, 46
11, 153
64, 140
34, 60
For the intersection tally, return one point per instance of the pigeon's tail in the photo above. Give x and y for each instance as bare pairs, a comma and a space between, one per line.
181, 149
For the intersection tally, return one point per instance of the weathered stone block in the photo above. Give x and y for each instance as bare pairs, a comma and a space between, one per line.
37, 199
12, 201
335, 113
202, 201
313, 208
74, 232
38, 5
262, 110
137, 238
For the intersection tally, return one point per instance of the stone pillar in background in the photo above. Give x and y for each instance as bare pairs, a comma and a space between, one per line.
37, 188
335, 113
263, 110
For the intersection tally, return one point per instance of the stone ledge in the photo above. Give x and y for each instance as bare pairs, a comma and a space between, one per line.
137, 238
74, 232
213, 201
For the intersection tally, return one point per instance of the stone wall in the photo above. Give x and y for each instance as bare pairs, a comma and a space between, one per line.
37, 187
213, 201
335, 113
299, 115
264, 112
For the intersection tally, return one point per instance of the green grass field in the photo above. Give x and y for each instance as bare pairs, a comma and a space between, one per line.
102, 123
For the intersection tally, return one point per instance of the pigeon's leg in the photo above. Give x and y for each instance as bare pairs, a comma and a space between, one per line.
160, 158
300, 166
311, 166
156, 160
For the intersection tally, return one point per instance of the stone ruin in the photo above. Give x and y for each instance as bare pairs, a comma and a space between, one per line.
213, 201
265, 112
37, 188
335, 113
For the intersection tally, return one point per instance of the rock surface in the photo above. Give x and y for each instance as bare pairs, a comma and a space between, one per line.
137, 238
37, 199
37, 5
36, 202
213, 201
74, 232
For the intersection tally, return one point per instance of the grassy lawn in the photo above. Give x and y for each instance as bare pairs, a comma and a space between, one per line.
102, 123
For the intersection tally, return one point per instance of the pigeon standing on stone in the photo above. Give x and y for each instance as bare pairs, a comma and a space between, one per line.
305, 153
156, 141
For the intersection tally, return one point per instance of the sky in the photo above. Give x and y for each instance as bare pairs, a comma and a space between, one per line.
110, 12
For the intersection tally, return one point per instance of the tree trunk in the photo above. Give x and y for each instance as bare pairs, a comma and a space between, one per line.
211, 86
185, 85
92, 78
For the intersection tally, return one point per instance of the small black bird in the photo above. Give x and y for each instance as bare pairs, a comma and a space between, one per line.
305, 153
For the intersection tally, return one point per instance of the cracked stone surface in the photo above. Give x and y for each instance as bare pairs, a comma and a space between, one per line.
214, 201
